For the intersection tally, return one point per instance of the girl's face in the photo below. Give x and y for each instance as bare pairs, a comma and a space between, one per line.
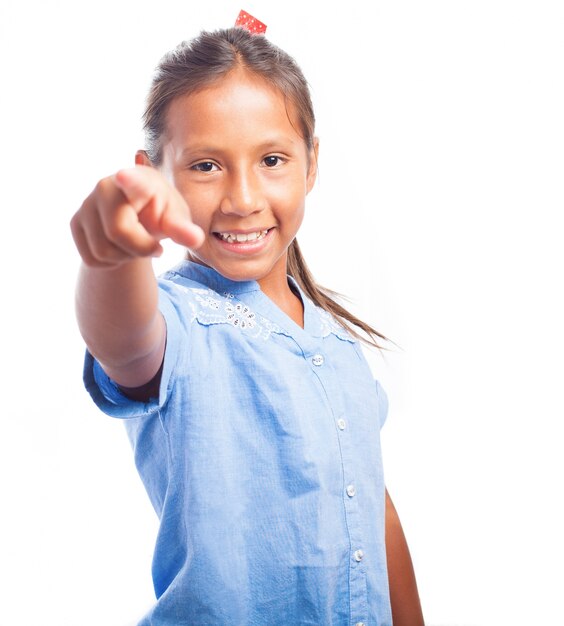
234, 153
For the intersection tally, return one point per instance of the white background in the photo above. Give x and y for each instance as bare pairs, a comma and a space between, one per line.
437, 211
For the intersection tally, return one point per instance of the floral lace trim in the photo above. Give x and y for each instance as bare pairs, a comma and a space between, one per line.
208, 309
329, 325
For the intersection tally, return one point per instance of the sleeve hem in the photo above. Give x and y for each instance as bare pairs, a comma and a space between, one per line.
106, 393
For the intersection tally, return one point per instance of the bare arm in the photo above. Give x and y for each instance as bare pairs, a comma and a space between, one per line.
117, 230
406, 606
119, 320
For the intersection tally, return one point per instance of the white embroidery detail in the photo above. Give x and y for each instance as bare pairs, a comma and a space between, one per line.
208, 309
329, 325
239, 315
206, 300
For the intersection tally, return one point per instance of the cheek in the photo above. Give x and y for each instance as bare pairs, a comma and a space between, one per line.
287, 194
295, 208
202, 202
292, 217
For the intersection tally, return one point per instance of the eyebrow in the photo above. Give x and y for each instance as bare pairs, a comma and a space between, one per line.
275, 143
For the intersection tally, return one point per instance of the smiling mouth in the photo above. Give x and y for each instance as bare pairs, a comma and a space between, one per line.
242, 237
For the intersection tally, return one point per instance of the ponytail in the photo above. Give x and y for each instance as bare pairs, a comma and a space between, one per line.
327, 299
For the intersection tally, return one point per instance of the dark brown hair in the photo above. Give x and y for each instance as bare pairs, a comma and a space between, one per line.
206, 59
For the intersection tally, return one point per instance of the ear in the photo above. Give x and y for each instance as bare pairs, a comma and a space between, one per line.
312, 168
142, 158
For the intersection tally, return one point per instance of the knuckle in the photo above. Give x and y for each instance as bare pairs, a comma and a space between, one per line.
75, 225
104, 252
117, 232
103, 185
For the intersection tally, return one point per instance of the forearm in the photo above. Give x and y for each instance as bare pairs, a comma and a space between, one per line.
404, 597
118, 317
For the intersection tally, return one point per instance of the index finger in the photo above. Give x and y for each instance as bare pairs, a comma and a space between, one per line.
140, 185
160, 206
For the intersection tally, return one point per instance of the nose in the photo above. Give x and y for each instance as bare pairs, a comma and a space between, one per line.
243, 194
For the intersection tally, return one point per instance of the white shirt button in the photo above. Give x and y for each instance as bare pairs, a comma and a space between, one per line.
341, 424
318, 360
358, 554
351, 491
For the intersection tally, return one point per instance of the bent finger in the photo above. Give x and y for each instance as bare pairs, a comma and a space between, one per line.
122, 228
93, 256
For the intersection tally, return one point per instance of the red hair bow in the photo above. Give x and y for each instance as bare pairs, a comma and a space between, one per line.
245, 20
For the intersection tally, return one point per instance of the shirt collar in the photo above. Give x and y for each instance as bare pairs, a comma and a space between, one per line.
317, 321
213, 279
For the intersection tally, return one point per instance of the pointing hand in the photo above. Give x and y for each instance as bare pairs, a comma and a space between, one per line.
128, 214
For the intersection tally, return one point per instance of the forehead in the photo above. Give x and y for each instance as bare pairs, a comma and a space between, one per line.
237, 107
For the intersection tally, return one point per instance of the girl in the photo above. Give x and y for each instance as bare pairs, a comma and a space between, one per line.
252, 413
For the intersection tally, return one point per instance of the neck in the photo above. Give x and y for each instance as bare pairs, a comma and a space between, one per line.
275, 286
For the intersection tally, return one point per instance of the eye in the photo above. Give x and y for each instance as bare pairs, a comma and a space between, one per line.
204, 166
272, 160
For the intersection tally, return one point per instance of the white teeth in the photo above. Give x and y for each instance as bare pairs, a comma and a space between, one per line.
242, 237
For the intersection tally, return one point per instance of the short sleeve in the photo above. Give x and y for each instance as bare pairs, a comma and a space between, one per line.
382, 403
106, 393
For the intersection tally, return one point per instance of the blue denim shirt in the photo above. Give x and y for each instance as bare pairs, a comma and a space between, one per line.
262, 459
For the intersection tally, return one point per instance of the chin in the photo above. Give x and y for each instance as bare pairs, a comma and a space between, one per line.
239, 274
241, 270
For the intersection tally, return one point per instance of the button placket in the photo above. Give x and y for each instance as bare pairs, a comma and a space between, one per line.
356, 570
352, 504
